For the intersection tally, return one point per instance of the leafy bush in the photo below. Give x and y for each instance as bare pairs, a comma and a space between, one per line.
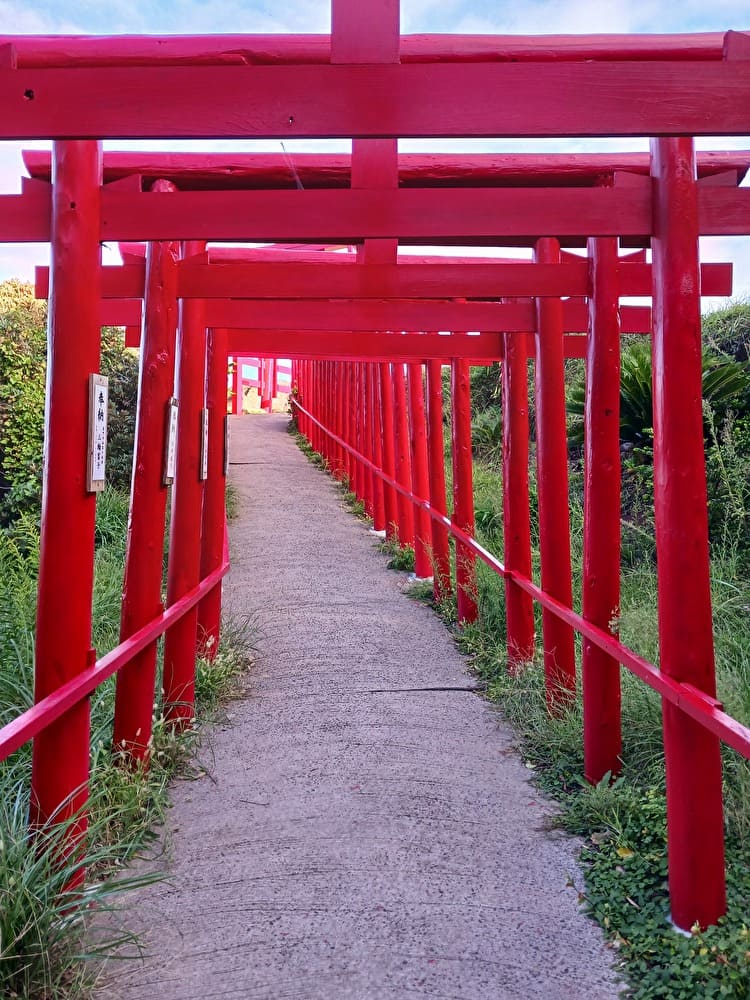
725, 386
23, 365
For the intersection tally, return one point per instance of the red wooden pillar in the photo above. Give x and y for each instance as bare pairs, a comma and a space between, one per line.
346, 403
183, 572
300, 394
376, 429
370, 33
436, 449
552, 485
141, 599
305, 395
236, 386
351, 423
341, 416
60, 763
403, 465
264, 378
214, 492
420, 480
324, 414
516, 520
463, 489
366, 437
314, 407
335, 419
693, 760
390, 500
357, 431
602, 742
310, 378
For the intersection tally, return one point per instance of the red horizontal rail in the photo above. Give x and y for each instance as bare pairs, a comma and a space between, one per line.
698, 705
39, 716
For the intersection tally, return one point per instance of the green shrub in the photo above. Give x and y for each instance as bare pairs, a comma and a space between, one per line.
23, 366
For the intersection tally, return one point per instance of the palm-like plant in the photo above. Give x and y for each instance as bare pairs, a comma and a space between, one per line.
725, 383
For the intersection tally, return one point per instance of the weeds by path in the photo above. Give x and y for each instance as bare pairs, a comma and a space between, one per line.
45, 953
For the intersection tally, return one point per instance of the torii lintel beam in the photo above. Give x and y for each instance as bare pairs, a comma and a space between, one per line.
383, 281
222, 171
480, 216
480, 348
42, 51
430, 100
365, 316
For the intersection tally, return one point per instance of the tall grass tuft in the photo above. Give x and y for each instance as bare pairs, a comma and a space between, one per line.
45, 946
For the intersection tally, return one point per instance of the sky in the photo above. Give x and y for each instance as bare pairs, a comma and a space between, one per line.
417, 16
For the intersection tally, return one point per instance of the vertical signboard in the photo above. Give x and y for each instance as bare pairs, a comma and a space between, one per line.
97, 437
204, 445
170, 442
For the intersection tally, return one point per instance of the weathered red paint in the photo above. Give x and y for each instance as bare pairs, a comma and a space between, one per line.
463, 489
60, 762
420, 480
402, 455
552, 488
196, 50
211, 171
214, 492
693, 760
516, 514
183, 572
376, 430
141, 600
387, 408
596, 98
441, 566
600, 673
366, 436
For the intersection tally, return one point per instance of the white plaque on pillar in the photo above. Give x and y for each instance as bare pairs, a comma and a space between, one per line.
204, 445
97, 442
170, 442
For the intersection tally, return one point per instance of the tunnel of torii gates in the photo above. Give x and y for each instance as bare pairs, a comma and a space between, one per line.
194, 305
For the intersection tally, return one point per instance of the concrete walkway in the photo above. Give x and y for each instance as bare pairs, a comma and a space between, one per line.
366, 830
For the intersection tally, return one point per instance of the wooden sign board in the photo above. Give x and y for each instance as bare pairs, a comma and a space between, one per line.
170, 442
97, 436
204, 445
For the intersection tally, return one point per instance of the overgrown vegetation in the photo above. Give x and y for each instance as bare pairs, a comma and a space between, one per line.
23, 364
44, 945
624, 823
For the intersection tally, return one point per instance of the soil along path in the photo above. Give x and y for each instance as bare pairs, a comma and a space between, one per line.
366, 830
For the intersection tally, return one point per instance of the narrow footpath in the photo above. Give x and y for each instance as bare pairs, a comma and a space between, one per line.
366, 829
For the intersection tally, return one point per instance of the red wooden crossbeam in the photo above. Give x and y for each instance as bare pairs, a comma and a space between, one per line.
133, 50
421, 100
372, 346
354, 317
480, 216
402, 281
197, 171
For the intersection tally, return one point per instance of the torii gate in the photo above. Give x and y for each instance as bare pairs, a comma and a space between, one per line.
356, 84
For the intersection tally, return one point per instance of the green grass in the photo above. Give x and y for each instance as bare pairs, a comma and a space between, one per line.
624, 824
45, 952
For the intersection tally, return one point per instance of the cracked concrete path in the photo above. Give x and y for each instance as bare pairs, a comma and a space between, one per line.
367, 830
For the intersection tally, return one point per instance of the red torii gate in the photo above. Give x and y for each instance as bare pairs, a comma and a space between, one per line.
575, 88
